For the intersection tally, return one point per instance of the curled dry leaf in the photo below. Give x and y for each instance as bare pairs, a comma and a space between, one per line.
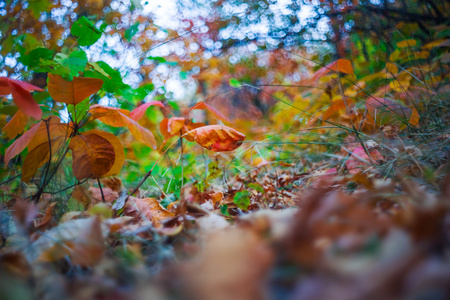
72, 92
81, 240
147, 208
93, 155
117, 117
139, 112
21, 96
216, 137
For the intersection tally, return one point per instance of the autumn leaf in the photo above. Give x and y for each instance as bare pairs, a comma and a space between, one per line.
385, 111
72, 92
216, 137
407, 43
139, 112
360, 159
117, 117
147, 208
36, 136
340, 65
81, 240
16, 125
215, 112
93, 155
118, 151
39, 155
21, 96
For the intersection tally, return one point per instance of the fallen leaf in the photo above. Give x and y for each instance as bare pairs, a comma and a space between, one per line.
147, 208
81, 240
386, 111
216, 137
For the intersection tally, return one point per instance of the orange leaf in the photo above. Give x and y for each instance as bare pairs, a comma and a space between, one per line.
139, 112
216, 137
37, 156
147, 208
117, 117
72, 92
93, 155
21, 143
340, 65
118, 151
16, 125
215, 112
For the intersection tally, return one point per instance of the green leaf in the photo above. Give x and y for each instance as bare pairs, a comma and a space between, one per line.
213, 170
242, 199
33, 58
112, 79
224, 210
36, 6
256, 186
80, 109
86, 33
9, 110
76, 62
157, 59
235, 83
130, 32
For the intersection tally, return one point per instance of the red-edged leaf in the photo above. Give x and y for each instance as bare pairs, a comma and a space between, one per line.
5, 89
215, 112
217, 138
21, 143
139, 112
72, 92
24, 101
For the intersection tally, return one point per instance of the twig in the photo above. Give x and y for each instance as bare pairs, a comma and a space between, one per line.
101, 190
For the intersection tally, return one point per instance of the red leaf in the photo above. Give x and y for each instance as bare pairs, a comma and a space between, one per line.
139, 112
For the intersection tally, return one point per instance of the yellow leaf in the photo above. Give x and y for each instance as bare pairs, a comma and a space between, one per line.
407, 43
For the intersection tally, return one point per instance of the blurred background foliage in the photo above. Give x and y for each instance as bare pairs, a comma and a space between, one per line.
182, 52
